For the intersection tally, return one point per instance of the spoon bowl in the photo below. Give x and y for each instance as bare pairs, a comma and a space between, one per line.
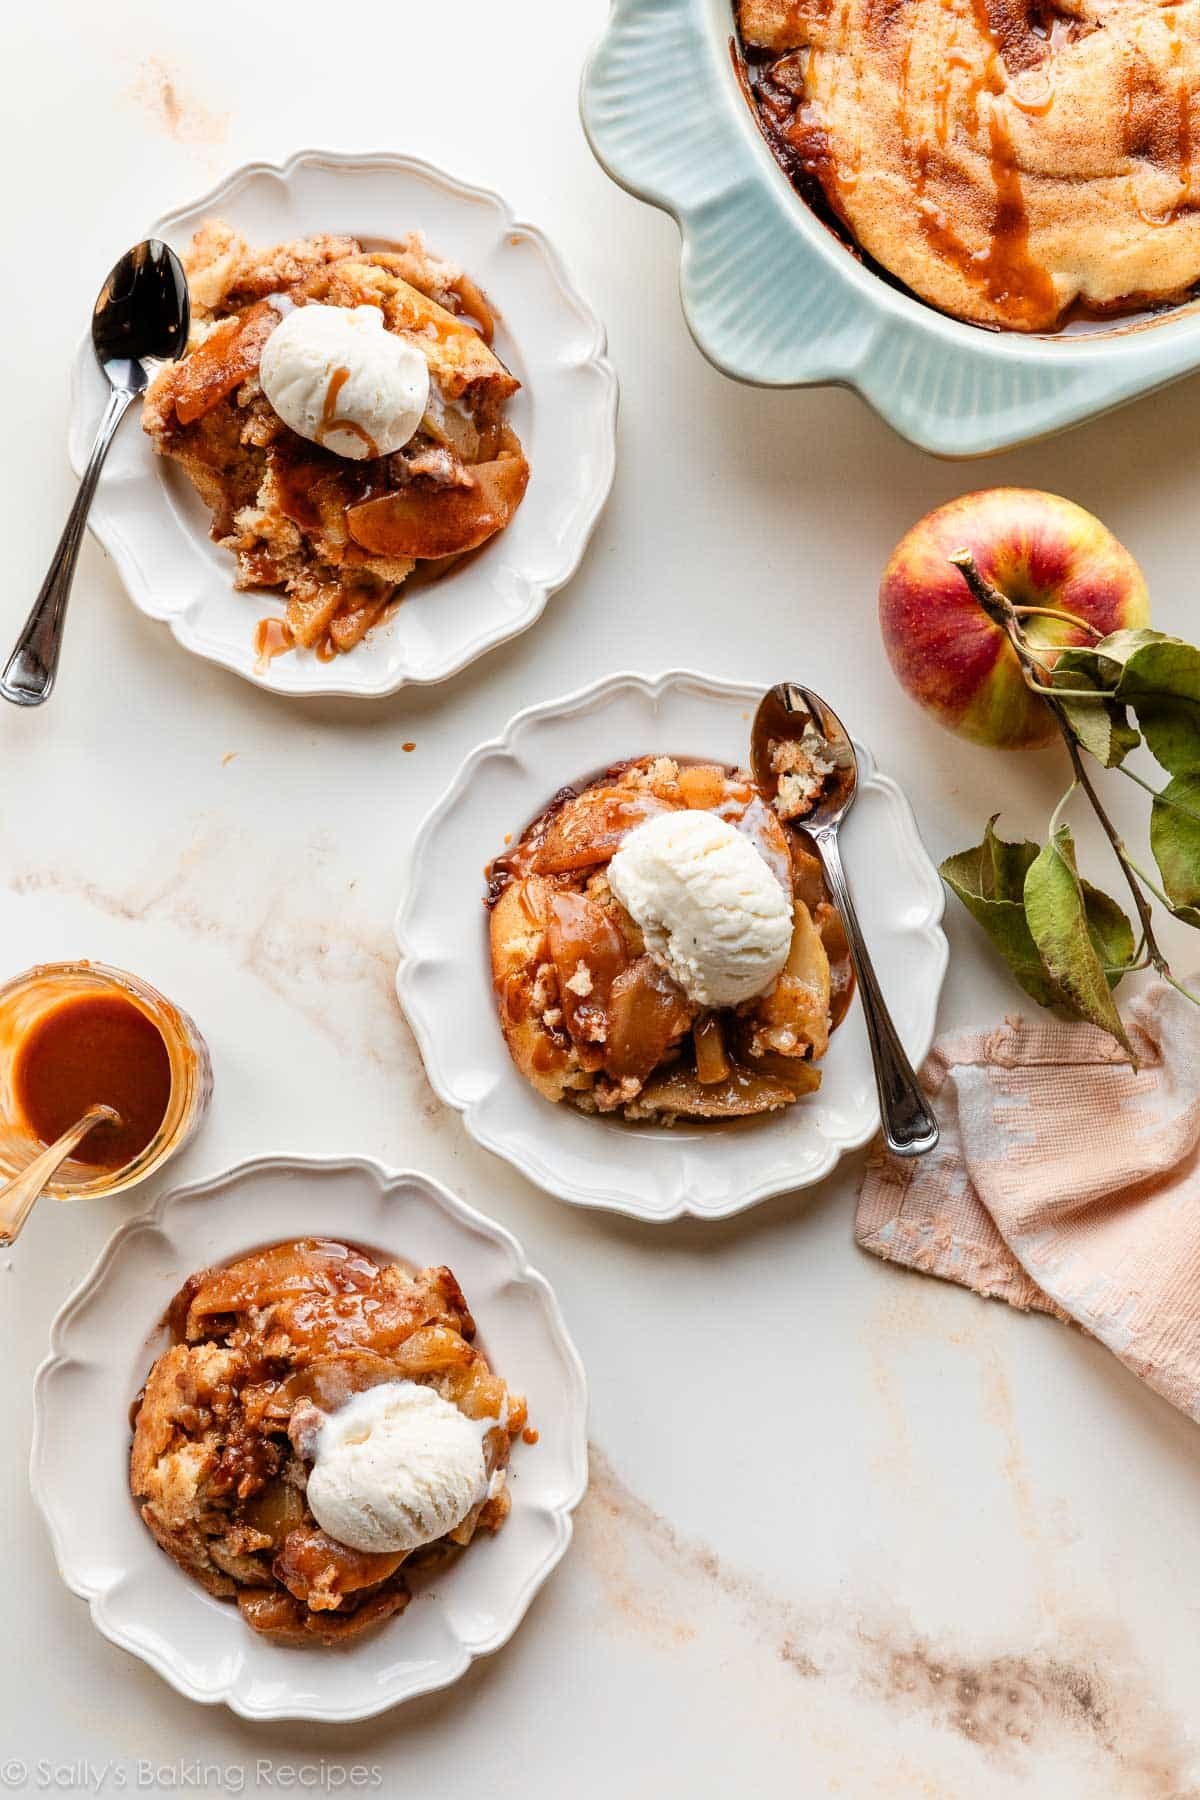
141, 315
140, 318
791, 714
785, 713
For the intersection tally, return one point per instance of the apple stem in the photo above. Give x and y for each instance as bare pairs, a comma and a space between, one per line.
997, 606
1154, 888
1062, 806
1000, 609
1066, 693
1054, 612
1084, 780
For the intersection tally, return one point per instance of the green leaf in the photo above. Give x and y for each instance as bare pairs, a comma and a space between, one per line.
1159, 677
1005, 865
1057, 916
1110, 932
1103, 730
1101, 725
989, 880
1160, 680
1175, 841
1119, 646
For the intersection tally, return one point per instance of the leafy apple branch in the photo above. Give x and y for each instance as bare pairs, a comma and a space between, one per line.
1068, 943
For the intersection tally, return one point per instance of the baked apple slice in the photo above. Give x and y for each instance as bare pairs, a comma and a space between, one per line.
430, 522
647, 1014
592, 828
223, 361
321, 1572
286, 1620
743, 1094
588, 953
792, 1018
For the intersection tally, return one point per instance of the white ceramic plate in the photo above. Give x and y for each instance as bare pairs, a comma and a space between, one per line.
444, 981
155, 528
103, 1342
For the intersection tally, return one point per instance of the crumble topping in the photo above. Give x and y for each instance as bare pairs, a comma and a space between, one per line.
803, 767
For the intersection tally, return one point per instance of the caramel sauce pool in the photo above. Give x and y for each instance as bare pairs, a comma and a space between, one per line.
96, 1048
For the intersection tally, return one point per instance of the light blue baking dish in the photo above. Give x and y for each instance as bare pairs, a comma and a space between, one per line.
771, 296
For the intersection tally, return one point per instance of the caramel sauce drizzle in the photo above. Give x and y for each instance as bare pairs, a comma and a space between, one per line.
847, 175
1004, 270
331, 422
1130, 91
272, 638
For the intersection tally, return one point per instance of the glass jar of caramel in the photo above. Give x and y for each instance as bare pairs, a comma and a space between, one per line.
76, 1034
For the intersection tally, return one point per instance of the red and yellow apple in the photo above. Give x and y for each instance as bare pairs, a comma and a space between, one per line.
1039, 550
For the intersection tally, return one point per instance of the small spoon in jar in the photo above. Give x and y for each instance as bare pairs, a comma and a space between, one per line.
141, 315
18, 1197
783, 716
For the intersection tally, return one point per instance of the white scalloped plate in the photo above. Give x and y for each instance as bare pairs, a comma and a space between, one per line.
444, 980
155, 528
772, 296
103, 1342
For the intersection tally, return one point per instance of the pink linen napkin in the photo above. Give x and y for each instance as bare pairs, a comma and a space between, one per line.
1064, 1182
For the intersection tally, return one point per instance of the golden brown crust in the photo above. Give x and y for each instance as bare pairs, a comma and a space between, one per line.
1005, 159
267, 1346
338, 537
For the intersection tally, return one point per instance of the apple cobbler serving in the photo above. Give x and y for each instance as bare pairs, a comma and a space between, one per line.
341, 412
322, 1422
663, 947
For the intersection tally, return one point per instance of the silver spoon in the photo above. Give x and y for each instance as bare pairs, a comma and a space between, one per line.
19, 1196
909, 1127
141, 314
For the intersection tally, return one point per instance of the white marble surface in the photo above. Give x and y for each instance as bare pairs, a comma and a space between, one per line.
850, 1532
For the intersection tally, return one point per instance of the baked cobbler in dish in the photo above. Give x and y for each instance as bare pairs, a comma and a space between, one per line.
1010, 161
663, 947
342, 414
322, 1422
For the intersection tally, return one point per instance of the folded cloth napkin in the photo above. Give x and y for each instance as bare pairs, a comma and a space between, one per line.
1064, 1181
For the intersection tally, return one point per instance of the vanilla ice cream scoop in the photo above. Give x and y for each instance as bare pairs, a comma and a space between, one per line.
397, 1467
709, 907
335, 375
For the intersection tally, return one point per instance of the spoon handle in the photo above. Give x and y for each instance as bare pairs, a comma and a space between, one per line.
29, 675
17, 1199
909, 1127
